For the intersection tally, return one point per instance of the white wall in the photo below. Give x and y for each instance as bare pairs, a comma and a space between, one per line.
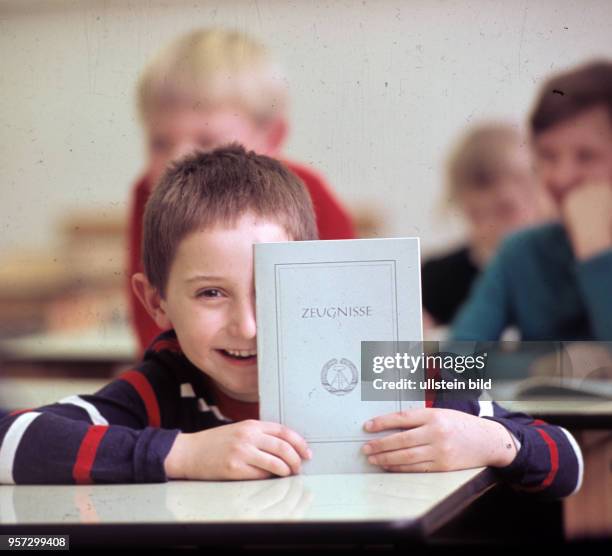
380, 89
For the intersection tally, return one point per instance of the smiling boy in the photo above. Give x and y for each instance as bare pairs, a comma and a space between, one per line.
199, 282
553, 282
189, 410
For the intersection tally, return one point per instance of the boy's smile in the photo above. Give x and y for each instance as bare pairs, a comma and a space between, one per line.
210, 301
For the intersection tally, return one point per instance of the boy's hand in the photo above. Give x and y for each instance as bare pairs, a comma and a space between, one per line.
438, 440
246, 450
587, 215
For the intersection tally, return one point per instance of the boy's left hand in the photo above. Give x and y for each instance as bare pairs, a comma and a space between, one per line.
438, 439
587, 215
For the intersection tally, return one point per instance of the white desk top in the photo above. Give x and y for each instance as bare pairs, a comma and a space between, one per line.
400, 499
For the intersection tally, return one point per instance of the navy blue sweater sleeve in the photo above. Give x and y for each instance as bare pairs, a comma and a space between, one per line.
548, 460
121, 434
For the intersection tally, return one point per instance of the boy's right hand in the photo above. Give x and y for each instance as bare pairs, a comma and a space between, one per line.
248, 449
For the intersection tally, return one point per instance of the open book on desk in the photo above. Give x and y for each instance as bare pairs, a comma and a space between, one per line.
563, 370
316, 302
567, 388
552, 388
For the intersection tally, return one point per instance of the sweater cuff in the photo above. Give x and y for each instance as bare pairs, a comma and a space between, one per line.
515, 471
150, 452
602, 258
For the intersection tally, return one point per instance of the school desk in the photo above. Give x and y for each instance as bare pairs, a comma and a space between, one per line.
380, 508
99, 353
112, 343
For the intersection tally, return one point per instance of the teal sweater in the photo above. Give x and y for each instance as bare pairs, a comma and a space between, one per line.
535, 284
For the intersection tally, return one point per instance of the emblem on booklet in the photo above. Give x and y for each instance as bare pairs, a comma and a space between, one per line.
339, 377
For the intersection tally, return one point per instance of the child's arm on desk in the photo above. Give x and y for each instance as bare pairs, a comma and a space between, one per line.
246, 450
438, 440
530, 454
130, 432
113, 436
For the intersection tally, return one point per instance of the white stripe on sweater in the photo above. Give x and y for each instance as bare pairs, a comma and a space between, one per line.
11, 441
486, 408
94, 415
187, 391
578, 453
203, 406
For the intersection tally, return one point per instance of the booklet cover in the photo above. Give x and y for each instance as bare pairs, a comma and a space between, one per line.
316, 302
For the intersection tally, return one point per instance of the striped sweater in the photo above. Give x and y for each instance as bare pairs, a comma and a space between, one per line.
123, 433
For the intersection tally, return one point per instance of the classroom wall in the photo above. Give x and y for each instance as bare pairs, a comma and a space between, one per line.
380, 89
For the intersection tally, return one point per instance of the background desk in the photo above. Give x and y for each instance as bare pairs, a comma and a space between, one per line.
81, 354
589, 512
41, 369
578, 415
381, 508
28, 392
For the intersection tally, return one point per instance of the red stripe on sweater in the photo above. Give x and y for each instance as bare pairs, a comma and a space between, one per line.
430, 395
554, 464
554, 458
18, 411
167, 345
81, 472
147, 395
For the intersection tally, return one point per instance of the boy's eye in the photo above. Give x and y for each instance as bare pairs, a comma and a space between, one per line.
209, 292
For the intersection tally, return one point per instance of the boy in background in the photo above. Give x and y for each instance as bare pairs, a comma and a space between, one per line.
189, 410
553, 282
209, 88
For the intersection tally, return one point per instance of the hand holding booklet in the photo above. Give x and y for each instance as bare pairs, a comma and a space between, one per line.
316, 302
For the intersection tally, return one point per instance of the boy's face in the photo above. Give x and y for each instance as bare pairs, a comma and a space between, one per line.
176, 132
210, 302
575, 152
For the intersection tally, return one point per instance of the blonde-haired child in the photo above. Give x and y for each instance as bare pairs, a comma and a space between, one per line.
208, 88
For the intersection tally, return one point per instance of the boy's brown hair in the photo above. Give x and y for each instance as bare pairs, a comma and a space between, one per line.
207, 189
566, 94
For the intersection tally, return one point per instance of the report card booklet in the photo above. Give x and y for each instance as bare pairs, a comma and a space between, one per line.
316, 302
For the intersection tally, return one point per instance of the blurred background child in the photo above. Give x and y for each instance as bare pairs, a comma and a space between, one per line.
492, 185
208, 88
